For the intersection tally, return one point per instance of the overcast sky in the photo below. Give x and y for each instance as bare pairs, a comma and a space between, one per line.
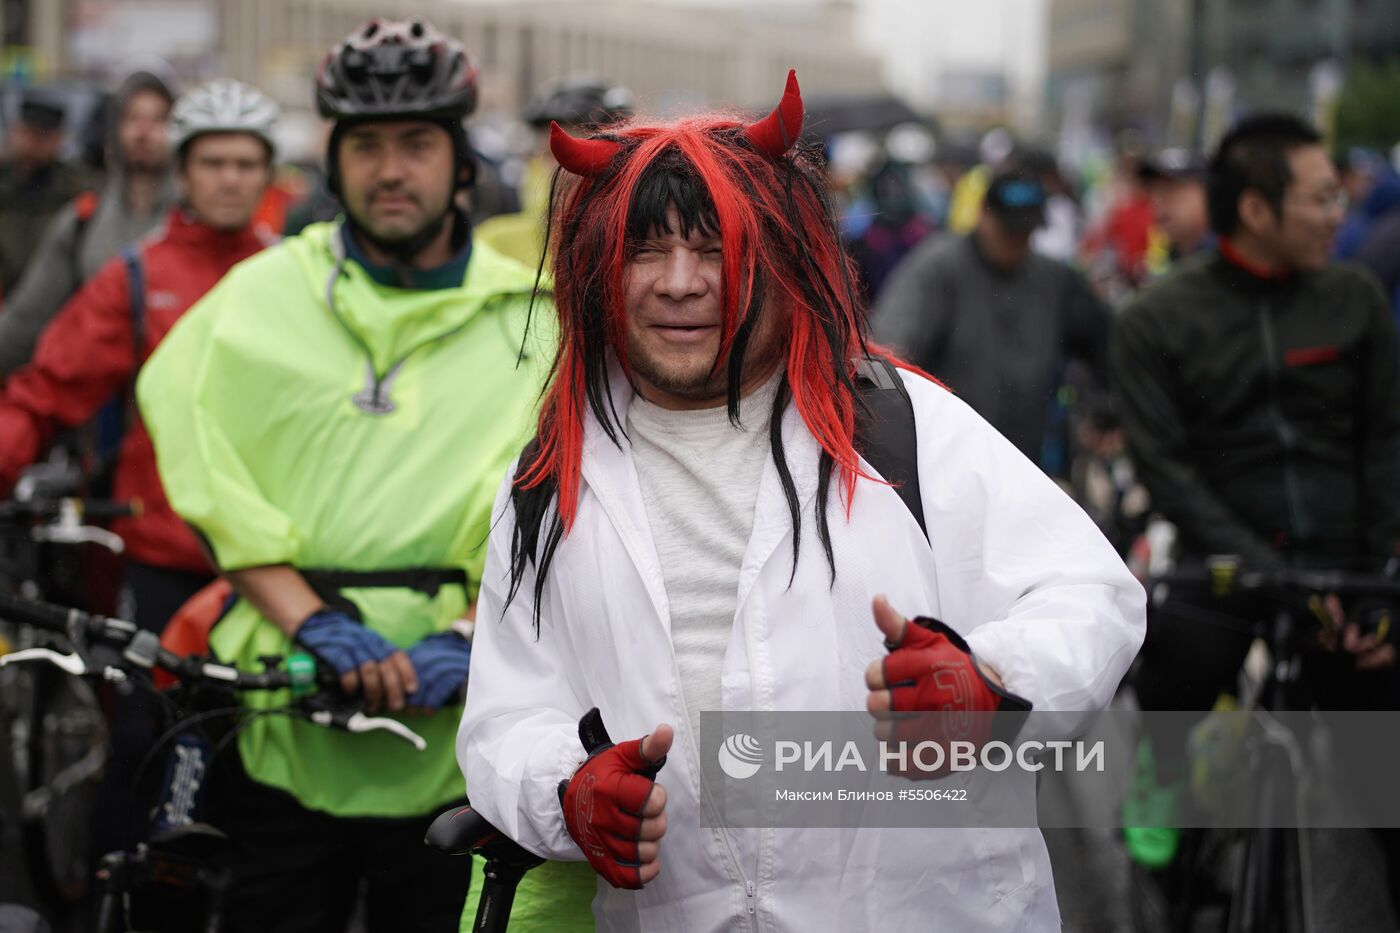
921, 39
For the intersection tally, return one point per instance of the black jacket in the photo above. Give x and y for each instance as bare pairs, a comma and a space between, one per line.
1264, 414
998, 339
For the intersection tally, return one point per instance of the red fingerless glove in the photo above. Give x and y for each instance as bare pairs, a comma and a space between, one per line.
933, 674
603, 802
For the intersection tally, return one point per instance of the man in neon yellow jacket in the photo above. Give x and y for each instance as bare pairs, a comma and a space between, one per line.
333, 419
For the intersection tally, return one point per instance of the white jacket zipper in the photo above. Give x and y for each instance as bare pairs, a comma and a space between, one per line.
693, 753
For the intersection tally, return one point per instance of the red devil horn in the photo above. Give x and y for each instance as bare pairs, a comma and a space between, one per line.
775, 133
585, 157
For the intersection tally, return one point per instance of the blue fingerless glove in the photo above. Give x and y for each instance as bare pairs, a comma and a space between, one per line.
341, 642
441, 663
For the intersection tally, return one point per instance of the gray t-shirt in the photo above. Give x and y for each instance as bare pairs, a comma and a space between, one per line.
699, 476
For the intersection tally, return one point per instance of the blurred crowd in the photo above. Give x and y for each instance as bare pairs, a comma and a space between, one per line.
955, 225
1062, 302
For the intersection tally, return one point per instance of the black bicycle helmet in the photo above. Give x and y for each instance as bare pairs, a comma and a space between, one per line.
580, 101
393, 68
398, 69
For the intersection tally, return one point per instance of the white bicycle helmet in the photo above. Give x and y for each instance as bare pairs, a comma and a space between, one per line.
222, 106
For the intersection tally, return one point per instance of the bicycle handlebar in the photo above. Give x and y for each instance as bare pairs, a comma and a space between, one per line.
49, 509
1227, 575
143, 649
61, 520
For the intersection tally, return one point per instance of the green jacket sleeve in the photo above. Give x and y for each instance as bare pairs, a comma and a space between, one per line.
1146, 386
186, 398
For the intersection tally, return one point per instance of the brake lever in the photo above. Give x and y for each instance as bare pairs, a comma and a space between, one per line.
72, 663
358, 722
80, 534
69, 663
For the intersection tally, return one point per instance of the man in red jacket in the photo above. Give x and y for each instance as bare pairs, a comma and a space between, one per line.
90, 353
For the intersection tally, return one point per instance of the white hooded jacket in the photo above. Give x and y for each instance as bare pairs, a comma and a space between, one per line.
1010, 562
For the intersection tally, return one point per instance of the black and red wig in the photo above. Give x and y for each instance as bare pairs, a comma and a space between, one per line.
761, 189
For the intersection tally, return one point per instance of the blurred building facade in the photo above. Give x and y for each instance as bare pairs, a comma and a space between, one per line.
973, 98
671, 55
1274, 48
1155, 65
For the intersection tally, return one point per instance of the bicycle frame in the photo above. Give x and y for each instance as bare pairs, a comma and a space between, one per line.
463, 831
59, 734
183, 855
1264, 895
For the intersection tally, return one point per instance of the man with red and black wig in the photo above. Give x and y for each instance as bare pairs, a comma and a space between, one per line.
695, 527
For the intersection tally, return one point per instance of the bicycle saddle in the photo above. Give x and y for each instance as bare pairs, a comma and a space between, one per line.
463, 830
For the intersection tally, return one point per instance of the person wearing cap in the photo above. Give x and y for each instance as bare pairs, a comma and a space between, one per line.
1175, 182
34, 182
333, 419
90, 229
576, 103
992, 318
89, 354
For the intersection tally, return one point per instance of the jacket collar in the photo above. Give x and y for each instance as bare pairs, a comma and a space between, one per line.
611, 475
1231, 254
448, 275
392, 323
1243, 274
772, 524
183, 230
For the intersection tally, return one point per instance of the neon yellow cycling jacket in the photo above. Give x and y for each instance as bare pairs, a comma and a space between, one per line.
304, 414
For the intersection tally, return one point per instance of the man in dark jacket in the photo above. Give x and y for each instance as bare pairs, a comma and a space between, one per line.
1259, 387
89, 230
1258, 383
34, 182
992, 319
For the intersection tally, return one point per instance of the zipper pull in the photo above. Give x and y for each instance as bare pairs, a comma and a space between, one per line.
751, 898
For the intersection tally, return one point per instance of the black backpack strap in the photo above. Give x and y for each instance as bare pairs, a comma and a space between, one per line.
885, 433
116, 417
329, 582
136, 298
136, 301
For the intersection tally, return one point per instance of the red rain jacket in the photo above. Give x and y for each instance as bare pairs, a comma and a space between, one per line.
85, 358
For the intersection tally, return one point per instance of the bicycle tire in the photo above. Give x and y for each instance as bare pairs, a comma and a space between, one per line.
1185, 897
66, 747
15, 884
1268, 892
1148, 906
